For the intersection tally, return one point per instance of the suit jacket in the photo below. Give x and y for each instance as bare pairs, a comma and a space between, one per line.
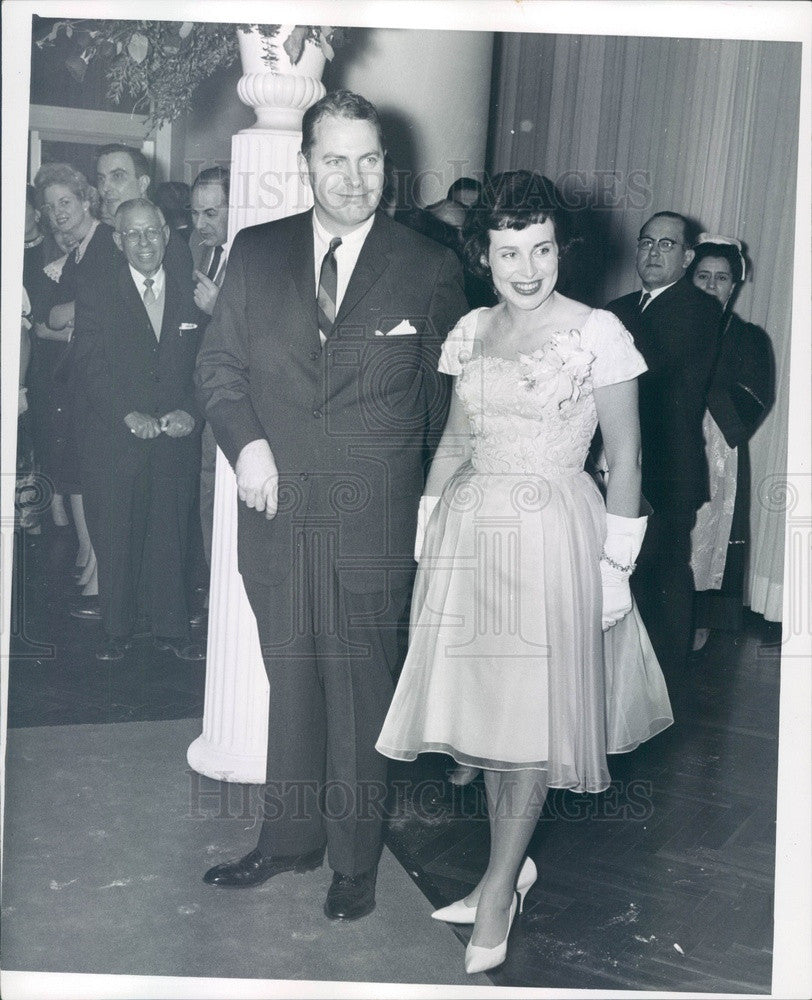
122, 367
678, 336
351, 426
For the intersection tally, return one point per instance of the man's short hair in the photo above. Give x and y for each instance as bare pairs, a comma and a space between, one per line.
690, 229
140, 162
213, 175
338, 104
127, 206
463, 184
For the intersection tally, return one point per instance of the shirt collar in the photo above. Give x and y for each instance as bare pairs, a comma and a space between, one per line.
157, 281
656, 291
352, 239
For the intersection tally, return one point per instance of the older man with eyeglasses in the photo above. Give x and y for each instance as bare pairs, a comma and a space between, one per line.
136, 344
677, 332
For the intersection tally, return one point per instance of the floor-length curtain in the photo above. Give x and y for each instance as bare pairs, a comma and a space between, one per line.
630, 126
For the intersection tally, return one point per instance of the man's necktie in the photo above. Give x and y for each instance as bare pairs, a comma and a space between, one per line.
328, 288
215, 263
644, 301
149, 295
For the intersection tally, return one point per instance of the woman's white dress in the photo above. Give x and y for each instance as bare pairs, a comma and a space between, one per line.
507, 665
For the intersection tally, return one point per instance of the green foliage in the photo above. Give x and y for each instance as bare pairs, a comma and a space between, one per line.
161, 63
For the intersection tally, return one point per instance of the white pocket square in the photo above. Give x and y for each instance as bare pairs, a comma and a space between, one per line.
403, 328
187, 326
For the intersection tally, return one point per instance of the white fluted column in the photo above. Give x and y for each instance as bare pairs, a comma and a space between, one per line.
265, 185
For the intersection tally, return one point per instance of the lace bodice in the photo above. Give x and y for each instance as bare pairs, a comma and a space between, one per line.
537, 414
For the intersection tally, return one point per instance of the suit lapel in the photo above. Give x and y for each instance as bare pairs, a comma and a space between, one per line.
170, 323
665, 300
373, 260
302, 266
134, 306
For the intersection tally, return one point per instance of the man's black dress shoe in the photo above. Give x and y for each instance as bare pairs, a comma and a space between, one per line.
113, 649
351, 897
192, 652
256, 868
86, 609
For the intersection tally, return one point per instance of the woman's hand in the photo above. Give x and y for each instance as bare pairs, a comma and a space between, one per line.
617, 595
624, 536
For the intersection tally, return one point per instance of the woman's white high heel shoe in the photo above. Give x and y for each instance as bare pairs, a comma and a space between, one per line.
479, 959
460, 913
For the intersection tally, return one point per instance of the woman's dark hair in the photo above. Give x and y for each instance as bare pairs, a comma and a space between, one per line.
726, 250
514, 199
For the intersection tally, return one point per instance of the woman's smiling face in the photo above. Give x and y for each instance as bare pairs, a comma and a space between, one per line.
524, 263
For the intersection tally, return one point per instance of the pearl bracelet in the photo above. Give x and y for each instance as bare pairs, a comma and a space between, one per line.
621, 569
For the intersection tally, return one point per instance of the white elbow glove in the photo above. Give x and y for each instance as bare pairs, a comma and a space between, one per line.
424, 512
624, 536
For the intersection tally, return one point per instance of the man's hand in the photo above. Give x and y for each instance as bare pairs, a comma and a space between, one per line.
142, 425
177, 424
205, 294
257, 477
61, 316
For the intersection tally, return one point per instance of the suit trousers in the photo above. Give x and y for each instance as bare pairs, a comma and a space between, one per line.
331, 657
663, 586
138, 524
208, 469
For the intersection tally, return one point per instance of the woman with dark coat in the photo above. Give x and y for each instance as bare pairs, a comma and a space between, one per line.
741, 394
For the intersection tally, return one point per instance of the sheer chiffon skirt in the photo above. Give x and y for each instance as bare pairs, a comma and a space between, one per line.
507, 665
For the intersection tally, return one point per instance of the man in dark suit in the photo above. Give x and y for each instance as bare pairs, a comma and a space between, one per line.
123, 174
676, 328
136, 343
318, 374
207, 243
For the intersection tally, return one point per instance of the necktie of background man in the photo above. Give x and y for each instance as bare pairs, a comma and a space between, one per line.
215, 262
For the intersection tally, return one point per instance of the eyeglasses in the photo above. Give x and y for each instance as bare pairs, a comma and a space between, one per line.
134, 235
665, 245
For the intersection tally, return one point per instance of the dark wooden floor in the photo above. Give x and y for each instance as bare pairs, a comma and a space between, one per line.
664, 882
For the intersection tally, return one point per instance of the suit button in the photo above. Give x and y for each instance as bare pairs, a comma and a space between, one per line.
317, 414
314, 355
303, 476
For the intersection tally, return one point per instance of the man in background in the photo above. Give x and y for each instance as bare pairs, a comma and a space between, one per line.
136, 344
210, 193
676, 328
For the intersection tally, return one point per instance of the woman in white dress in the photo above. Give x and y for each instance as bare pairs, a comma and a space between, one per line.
522, 570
